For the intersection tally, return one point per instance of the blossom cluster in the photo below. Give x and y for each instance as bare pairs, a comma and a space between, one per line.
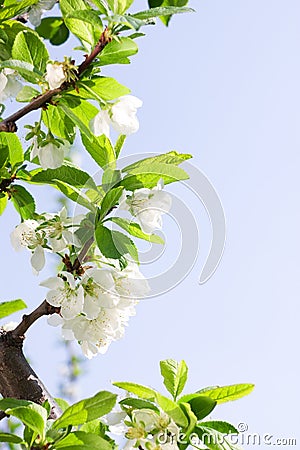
146, 428
96, 307
53, 232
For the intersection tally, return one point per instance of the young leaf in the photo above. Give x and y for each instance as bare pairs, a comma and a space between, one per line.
26, 70
3, 203
110, 200
8, 308
29, 47
80, 440
137, 403
54, 29
26, 94
162, 11
117, 52
12, 438
101, 88
220, 426
172, 409
139, 390
114, 244
15, 9
228, 393
86, 25
202, 406
59, 123
23, 202
175, 376
172, 157
66, 173
69, 6
75, 195
135, 230
119, 144
11, 142
87, 410
32, 415
80, 112
100, 149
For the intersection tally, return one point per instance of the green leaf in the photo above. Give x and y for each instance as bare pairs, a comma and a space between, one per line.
119, 144
32, 415
75, 195
9, 31
220, 426
175, 375
172, 409
141, 391
80, 440
135, 230
59, 123
192, 418
7, 437
86, 25
100, 149
66, 173
29, 47
69, 6
54, 29
23, 202
15, 9
114, 244
202, 406
137, 403
117, 52
101, 88
26, 70
3, 203
26, 94
214, 440
161, 12
110, 200
7, 403
172, 157
149, 174
63, 404
87, 410
11, 142
8, 308
80, 112
228, 393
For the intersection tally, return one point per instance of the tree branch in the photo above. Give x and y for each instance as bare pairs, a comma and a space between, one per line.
9, 124
44, 309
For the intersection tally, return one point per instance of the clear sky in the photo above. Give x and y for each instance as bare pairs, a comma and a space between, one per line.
222, 84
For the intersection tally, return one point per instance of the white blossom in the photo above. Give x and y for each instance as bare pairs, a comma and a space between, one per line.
148, 205
36, 11
100, 123
9, 85
55, 75
26, 235
121, 115
9, 326
59, 230
65, 293
110, 297
51, 156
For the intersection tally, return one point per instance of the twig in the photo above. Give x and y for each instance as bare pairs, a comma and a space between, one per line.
9, 124
83, 252
44, 309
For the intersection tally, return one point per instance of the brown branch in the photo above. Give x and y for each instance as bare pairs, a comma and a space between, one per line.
44, 309
9, 124
80, 258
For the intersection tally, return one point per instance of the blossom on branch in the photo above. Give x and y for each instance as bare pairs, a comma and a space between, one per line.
51, 155
148, 205
55, 75
121, 116
9, 84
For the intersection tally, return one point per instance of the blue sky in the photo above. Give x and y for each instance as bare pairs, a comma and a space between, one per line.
222, 84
